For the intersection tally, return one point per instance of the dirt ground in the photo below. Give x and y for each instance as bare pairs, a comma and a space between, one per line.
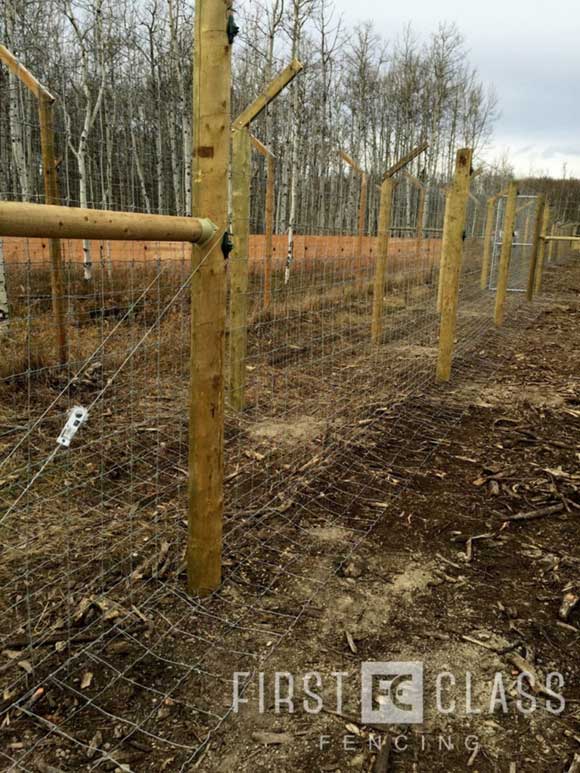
448, 577
401, 539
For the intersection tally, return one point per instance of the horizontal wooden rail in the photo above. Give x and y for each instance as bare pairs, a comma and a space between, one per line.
352, 163
406, 160
270, 92
48, 221
561, 238
27, 78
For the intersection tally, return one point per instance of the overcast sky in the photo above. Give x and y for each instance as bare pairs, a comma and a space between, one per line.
530, 51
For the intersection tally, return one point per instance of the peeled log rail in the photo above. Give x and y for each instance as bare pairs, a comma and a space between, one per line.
561, 238
48, 221
24, 75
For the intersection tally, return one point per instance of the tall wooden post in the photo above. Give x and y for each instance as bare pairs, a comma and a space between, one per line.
211, 151
536, 246
487, 242
51, 196
238, 327
455, 217
542, 251
387, 188
506, 252
51, 191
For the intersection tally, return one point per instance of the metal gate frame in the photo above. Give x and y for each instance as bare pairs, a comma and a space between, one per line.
498, 241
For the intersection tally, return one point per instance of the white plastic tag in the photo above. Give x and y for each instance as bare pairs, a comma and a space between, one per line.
76, 418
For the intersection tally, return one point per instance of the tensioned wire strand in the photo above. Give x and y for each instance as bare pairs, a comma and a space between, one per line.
111, 379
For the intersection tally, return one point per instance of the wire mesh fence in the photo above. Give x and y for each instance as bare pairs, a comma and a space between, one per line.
106, 658
96, 625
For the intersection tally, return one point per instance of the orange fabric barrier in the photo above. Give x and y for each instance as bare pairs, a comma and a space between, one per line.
306, 248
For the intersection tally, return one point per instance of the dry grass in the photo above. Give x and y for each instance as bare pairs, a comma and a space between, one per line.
129, 298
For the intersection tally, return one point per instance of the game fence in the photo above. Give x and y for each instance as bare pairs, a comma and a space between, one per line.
105, 655
93, 547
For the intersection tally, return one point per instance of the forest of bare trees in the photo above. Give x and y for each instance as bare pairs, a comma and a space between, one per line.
121, 72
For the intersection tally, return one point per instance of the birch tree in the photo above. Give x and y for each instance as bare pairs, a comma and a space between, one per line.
301, 11
17, 131
122, 73
90, 41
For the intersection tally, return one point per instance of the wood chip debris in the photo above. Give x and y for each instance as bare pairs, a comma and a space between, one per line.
87, 680
535, 514
271, 739
569, 602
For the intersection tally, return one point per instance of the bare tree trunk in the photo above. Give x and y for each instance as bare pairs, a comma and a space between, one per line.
175, 168
139, 167
84, 202
91, 111
294, 143
16, 124
187, 152
159, 157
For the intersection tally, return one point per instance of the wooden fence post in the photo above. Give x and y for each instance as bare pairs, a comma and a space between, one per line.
536, 245
51, 196
455, 216
211, 151
387, 188
238, 327
542, 250
487, 242
506, 252
51, 188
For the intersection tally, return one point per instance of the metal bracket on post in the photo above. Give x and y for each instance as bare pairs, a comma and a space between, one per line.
227, 244
232, 29
208, 229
